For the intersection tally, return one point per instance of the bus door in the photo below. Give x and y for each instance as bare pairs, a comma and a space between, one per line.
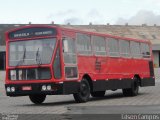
70, 58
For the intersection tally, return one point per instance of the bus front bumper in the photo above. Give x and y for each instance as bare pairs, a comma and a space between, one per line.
41, 88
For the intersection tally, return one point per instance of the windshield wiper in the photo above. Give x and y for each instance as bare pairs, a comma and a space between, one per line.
22, 60
38, 58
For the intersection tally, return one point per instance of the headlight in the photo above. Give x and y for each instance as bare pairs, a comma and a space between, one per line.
12, 89
13, 75
44, 87
48, 87
8, 89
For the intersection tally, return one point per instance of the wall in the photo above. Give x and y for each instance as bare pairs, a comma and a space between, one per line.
157, 74
156, 58
2, 75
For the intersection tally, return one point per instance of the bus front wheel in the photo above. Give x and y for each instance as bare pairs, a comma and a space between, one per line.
37, 99
133, 91
84, 92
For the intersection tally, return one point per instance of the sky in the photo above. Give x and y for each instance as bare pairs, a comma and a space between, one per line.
80, 12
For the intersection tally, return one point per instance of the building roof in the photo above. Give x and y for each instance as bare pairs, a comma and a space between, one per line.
3, 28
151, 33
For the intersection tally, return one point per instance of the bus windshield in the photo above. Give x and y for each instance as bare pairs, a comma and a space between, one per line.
31, 52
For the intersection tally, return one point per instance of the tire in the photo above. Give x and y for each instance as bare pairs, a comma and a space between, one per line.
37, 99
98, 94
133, 91
84, 92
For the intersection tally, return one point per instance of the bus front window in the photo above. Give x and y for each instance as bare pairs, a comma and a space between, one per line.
31, 52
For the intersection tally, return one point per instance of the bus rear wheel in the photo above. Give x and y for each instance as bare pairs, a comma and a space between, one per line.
98, 94
37, 99
133, 91
84, 92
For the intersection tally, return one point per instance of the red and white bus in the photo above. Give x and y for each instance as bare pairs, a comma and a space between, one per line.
49, 60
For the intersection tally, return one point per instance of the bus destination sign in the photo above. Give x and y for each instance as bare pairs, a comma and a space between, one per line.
32, 32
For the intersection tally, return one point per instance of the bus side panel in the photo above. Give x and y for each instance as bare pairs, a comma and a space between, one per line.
111, 84
86, 65
150, 81
116, 73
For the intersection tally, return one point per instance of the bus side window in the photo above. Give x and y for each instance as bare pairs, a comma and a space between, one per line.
69, 51
71, 72
70, 58
84, 44
145, 51
124, 48
135, 49
99, 45
113, 47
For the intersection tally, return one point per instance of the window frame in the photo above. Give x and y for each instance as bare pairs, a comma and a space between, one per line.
145, 56
133, 55
120, 48
75, 78
93, 49
27, 41
70, 64
108, 48
69, 52
78, 52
